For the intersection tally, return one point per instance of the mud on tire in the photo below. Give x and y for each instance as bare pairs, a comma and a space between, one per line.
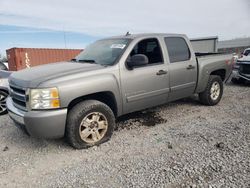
86, 120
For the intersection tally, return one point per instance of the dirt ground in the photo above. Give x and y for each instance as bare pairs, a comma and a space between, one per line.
181, 144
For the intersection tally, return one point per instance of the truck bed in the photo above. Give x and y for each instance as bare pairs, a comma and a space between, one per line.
209, 62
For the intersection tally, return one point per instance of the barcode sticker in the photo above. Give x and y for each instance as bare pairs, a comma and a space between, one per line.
121, 46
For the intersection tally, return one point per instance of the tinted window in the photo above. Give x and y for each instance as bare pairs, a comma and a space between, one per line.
2, 66
177, 49
149, 48
247, 53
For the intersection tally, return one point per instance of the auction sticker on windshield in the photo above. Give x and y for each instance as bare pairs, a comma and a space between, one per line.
121, 46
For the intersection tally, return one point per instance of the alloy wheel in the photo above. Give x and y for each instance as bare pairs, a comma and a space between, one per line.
93, 127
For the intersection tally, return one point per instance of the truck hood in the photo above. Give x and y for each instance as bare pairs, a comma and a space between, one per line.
5, 74
31, 78
244, 58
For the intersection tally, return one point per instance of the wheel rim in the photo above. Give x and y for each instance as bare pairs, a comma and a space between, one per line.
215, 91
93, 127
3, 103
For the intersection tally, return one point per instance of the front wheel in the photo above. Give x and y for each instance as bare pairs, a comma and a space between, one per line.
3, 97
89, 123
213, 92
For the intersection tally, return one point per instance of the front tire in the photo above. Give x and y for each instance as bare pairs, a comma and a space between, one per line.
213, 92
89, 123
3, 97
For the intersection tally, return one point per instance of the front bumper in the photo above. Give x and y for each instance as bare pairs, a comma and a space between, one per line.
236, 74
40, 124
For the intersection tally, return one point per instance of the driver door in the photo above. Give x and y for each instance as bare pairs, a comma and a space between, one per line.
148, 85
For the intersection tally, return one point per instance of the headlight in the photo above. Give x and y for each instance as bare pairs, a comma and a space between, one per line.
44, 98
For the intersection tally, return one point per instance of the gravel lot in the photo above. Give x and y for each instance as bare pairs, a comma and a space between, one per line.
181, 144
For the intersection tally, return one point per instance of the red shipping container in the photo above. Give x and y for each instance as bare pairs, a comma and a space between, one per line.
21, 58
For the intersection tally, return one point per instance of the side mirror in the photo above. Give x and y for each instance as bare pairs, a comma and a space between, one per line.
137, 61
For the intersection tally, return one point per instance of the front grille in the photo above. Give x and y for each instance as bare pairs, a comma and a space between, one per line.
245, 69
18, 97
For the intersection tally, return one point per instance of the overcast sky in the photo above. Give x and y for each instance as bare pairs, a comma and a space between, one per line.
92, 19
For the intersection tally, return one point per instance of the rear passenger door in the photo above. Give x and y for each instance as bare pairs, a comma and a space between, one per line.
182, 68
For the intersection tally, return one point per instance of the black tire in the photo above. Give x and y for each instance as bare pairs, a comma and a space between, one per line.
237, 81
205, 96
3, 97
78, 113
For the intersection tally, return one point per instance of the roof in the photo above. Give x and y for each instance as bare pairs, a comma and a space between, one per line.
205, 38
143, 35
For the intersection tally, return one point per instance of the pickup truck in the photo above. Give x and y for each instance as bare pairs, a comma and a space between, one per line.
81, 99
241, 69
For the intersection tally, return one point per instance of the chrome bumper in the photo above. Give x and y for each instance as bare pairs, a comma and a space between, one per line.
237, 75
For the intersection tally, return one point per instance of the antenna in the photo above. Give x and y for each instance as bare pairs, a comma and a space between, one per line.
127, 34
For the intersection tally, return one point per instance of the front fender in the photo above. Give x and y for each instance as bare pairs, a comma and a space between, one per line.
73, 89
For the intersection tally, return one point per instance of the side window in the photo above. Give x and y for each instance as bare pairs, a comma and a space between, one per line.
177, 49
247, 53
150, 48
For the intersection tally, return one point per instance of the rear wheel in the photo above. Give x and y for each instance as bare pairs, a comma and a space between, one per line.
89, 123
3, 97
213, 92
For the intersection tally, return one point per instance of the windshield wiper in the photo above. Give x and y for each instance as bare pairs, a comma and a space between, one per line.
83, 60
86, 60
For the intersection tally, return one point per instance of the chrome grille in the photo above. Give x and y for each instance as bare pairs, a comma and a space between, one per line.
18, 97
245, 69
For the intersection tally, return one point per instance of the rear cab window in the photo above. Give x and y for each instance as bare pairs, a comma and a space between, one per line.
178, 49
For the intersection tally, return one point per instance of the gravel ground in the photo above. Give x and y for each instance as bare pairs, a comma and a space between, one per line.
181, 144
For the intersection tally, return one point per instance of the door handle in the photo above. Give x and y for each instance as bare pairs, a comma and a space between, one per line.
161, 72
190, 67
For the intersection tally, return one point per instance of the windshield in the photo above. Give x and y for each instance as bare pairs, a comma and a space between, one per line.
247, 53
104, 52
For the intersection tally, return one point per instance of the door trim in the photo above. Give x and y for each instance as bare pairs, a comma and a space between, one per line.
183, 86
147, 95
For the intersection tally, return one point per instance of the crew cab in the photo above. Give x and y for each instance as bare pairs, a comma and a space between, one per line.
81, 100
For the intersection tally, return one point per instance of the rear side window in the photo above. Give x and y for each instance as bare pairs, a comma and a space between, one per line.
177, 49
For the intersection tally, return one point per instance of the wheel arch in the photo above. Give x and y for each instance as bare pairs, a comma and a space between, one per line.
220, 72
106, 97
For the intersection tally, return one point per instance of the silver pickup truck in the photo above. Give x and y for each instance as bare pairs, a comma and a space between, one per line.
112, 77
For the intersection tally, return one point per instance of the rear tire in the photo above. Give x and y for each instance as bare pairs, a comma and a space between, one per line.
213, 92
89, 123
